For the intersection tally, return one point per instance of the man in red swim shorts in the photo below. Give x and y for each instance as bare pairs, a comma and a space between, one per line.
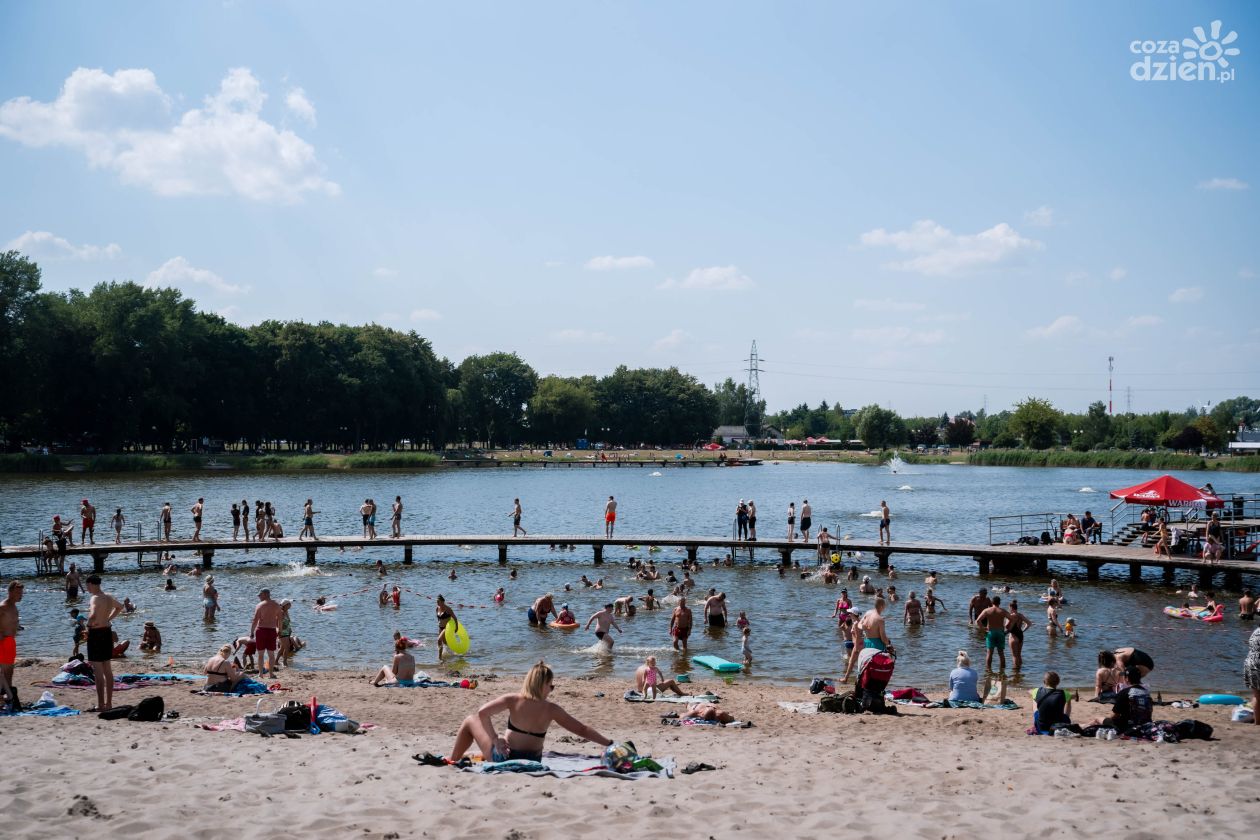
8, 645
265, 629
610, 516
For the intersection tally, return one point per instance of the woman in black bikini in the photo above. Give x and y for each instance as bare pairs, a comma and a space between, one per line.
530, 714
1016, 624
221, 673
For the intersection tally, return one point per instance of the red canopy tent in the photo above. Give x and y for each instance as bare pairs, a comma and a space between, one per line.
1167, 491
713, 447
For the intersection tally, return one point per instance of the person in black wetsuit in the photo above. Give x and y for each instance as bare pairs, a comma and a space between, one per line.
530, 714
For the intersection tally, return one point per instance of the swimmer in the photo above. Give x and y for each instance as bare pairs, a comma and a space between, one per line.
620, 605
930, 580
499, 595
603, 620
128, 607
650, 601
914, 610
452, 575
1069, 629
867, 588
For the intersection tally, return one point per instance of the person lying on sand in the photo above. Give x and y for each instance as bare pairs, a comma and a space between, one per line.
707, 711
402, 670
649, 681
530, 714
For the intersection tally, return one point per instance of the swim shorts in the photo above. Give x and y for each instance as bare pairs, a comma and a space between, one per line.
682, 633
532, 615
878, 644
995, 639
515, 755
848, 645
89, 524
611, 516
100, 644
265, 638
72, 592
8, 650
599, 634
1142, 660
717, 620
805, 523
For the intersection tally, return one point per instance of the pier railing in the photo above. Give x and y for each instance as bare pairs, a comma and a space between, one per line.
1009, 529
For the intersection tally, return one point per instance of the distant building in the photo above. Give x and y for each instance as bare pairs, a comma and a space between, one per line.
737, 435
1247, 441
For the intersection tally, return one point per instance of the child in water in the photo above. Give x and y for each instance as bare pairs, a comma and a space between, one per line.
1069, 629
498, 595
745, 647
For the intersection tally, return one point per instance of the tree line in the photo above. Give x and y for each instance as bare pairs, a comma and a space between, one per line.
124, 368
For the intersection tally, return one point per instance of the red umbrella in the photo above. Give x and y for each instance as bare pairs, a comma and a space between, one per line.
1169, 492
713, 447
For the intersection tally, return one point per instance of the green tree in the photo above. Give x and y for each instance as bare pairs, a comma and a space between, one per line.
561, 410
960, 432
497, 388
1035, 421
654, 406
879, 427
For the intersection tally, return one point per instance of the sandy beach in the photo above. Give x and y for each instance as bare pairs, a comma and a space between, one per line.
933, 773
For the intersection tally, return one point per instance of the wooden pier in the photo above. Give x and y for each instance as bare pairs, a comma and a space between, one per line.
989, 558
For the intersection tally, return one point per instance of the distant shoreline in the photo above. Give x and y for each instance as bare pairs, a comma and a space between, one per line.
143, 462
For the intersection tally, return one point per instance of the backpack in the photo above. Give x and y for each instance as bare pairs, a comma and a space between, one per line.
879, 669
297, 716
148, 710
1140, 706
1191, 728
1045, 538
846, 704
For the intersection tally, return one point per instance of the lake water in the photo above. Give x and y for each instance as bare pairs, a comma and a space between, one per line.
793, 637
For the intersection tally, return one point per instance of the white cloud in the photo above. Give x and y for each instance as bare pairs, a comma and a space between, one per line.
300, 106
1118, 273
575, 336
425, 315
1063, 325
385, 273
673, 341
888, 305
1043, 216
41, 245
618, 263
178, 273
941, 252
716, 278
1188, 294
898, 336
1139, 321
122, 122
1224, 184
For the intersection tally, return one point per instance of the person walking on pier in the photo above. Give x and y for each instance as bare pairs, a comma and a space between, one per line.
741, 521
885, 521
610, 517
118, 521
245, 519
196, 511
752, 520
791, 521
308, 521
365, 512
516, 518
165, 518
236, 522
395, 520
87, 513
806, 519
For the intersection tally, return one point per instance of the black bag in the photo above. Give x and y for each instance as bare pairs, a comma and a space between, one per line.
297, 716
148, 710
846, 704
117, 713
1191, 728
1045, 538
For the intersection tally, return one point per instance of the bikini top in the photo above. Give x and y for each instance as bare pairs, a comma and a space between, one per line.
524, 731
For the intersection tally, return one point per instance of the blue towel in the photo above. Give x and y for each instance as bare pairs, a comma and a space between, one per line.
421, 684
43, 710
244, 688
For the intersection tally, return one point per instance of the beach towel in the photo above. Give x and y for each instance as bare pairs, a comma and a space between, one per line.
633, 696
566, 766
42, 710
246, 687
735, 724
122, 682
972, 704
422, 684
799, 708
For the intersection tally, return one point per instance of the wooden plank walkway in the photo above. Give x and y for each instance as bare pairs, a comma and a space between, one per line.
1006, 557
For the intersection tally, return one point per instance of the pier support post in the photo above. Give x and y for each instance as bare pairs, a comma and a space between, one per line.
407, 558
310, 555
786, 557
691, 553
1205, 578
207, 558
1168, 574
1042, 565
598, 550
502, 554
98, 562
882, 558
1091, 571
1233, 580
984, 565
1135, 573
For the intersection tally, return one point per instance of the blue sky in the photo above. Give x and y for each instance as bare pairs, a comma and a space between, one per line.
924, 205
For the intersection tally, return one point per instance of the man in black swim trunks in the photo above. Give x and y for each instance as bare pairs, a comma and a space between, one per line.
1132, 657
102, 609
603, 620
807, 519
715, 609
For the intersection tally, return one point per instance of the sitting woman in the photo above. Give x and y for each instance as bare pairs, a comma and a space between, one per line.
530, 714
1106, 678
402, 671
221, 672
1213, 549
962, 680
151, 638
